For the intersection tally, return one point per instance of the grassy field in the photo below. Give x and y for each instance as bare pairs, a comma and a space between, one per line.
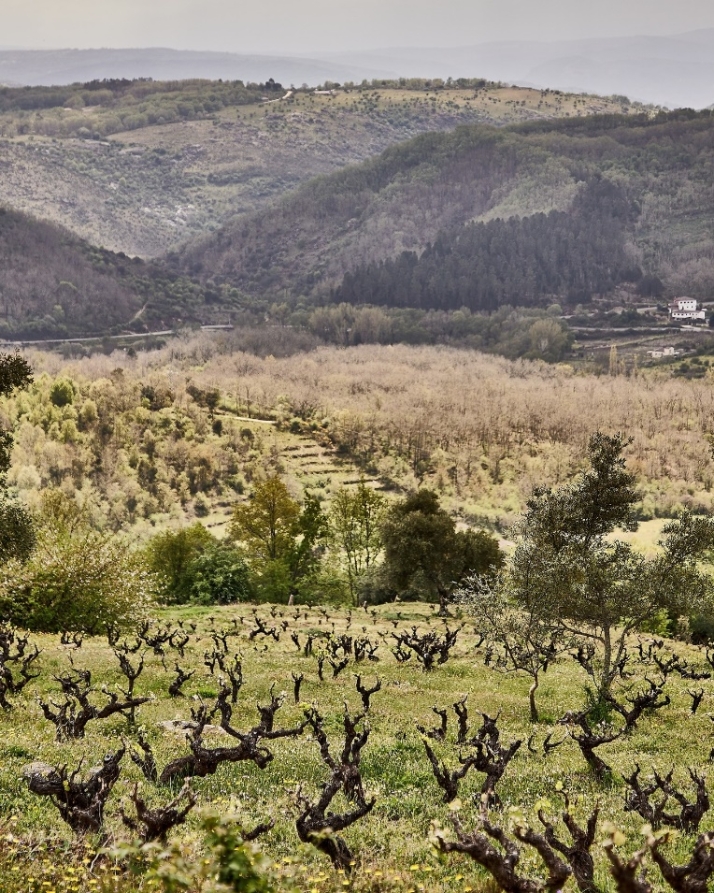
392, 844
146, 189
646, 537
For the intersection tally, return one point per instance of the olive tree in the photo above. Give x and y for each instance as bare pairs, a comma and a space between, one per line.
526, 643
570, 570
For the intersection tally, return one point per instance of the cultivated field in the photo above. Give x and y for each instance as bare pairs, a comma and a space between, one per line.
393, 845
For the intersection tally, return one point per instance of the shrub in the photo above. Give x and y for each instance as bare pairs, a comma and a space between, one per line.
219, 576
271, 583
62, 392
229, 865
76, 578
17, 533
327, 586
170, 556
375, 588
201, 506
701, 629
192, 566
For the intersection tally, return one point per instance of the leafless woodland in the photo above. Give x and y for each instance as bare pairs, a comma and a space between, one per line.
481, 429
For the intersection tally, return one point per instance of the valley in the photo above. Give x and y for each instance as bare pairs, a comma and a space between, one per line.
356, 489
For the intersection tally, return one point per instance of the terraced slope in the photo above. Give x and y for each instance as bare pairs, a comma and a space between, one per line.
305, 463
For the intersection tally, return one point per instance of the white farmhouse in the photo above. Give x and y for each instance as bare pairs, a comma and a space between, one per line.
686, 309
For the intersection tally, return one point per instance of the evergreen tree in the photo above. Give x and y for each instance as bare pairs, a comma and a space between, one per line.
424, 551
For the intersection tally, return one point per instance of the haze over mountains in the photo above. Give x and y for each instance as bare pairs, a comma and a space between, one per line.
186, 187
674, 71
69, 66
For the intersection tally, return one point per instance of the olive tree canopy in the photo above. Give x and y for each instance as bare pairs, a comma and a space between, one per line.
570, 569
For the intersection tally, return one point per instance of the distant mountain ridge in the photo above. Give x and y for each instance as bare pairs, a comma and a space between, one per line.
676, 71
69, 66
481, 217
141, 166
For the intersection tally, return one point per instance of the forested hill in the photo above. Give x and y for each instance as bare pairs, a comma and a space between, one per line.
424, 192
144, 166
53, 284
570, 254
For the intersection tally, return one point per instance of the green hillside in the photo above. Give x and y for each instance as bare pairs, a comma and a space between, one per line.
55, 285
142, 166
431, 187
481, 217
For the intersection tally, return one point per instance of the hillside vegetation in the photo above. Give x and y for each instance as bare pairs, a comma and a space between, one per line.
47, 281
423, 192
142, 166
56, 285
138, 441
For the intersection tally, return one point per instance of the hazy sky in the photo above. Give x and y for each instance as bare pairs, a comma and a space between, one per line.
286, 26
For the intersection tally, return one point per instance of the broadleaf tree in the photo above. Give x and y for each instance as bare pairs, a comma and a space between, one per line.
282, 539
526, 643
356, 517
171, 555
425, 552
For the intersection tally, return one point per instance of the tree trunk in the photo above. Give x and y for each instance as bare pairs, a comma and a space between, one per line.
532, 699
606, 675
443, 603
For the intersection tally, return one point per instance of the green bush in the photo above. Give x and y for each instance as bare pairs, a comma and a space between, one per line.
62, 392
701, 629
327, 586
17, 532
375, 588
271, 582
192, 566
77, 578
229, 864
219, 576
170, 556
